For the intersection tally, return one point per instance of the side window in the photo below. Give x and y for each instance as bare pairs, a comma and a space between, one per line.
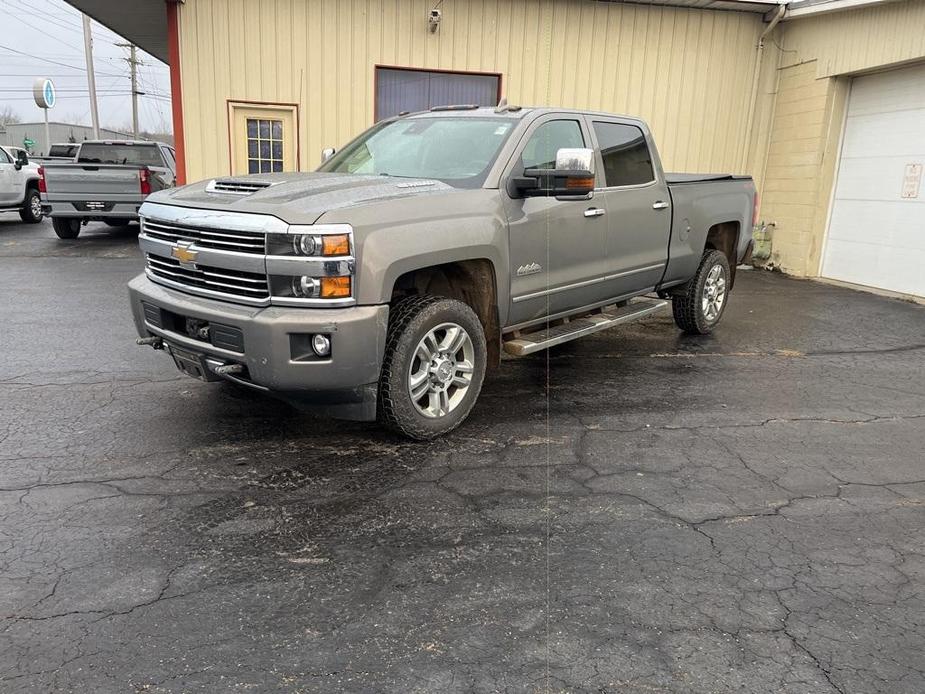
549, 138
4, 157
627, 160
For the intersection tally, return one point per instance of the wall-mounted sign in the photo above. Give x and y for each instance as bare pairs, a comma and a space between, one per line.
912, 179
43, 90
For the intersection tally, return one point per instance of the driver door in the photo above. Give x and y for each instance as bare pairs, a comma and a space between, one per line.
557, 250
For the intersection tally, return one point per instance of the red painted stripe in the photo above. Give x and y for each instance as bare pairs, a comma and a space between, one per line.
176, 99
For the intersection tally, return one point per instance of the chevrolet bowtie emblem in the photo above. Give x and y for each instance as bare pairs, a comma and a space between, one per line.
186, 255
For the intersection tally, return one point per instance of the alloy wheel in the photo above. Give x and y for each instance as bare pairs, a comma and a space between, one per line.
441, 370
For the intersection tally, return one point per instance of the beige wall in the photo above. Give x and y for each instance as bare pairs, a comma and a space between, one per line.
687, 72
818, 57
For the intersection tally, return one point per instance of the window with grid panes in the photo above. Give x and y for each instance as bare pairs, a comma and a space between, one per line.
264, 145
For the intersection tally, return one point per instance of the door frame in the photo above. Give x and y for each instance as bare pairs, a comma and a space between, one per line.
231, 104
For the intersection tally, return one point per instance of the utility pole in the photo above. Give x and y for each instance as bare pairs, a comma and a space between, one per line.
133, 64
91, 77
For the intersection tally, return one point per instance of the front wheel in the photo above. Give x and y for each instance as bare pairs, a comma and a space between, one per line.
699, 308
434, 364
31, 211
66, 228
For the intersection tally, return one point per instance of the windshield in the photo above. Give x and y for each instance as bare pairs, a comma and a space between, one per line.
457, 151
142, 155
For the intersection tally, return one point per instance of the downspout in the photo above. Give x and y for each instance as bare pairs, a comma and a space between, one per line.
753, 102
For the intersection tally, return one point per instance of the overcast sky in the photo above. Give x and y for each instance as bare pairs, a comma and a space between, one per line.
48, 37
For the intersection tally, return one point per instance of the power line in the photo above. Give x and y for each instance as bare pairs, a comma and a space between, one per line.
45, 60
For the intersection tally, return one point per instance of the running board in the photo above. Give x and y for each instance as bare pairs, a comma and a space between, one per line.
544, 339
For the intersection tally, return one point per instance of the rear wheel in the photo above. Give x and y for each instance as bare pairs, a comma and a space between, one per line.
66, 228
434, 364
31, 211
699, 308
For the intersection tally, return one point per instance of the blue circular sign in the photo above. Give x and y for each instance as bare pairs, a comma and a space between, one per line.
43, 91
49, 93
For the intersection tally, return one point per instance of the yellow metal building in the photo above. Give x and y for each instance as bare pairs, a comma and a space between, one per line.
743, 86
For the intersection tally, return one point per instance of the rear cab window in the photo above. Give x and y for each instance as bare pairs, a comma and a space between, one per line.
625, 152
102, 153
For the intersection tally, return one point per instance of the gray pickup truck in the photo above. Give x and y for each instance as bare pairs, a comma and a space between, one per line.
107, 183
385, 284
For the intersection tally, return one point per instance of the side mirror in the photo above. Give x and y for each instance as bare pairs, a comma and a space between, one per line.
573, 176
21, 161
327, 153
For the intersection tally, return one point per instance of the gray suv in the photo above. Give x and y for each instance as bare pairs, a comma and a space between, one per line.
388, 282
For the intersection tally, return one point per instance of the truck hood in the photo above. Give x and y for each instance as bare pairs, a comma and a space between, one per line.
296, 198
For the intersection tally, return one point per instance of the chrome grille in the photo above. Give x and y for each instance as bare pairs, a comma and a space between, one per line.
239, 241
247, 285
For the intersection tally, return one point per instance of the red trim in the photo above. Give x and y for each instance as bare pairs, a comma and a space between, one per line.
176, 92
246, 102
376, 68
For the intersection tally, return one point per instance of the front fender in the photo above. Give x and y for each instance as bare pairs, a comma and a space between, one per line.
395, 237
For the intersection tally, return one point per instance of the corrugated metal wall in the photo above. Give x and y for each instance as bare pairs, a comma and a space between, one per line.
687, 72
856, 40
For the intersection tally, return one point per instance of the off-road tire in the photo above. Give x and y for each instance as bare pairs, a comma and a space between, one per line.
688, 307
26, 212
66, 227
117, 222
409, 320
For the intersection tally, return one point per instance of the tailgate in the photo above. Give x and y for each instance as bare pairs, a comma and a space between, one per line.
112, 182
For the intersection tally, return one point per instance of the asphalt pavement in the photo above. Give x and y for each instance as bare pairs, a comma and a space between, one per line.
637, 511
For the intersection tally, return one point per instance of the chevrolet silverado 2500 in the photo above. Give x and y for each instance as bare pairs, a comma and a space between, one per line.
387, 282
107, 183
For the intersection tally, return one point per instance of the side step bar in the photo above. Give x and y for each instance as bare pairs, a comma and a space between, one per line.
543, 339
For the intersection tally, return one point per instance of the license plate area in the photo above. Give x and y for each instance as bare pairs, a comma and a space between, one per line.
191, 363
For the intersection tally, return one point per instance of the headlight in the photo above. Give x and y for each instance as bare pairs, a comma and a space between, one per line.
311, 265
309, 245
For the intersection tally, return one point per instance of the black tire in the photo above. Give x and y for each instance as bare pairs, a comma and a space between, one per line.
410, 320
117, 222
66, 227
688, 308
31, 210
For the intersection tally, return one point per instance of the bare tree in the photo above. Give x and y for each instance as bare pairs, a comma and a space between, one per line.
7, 116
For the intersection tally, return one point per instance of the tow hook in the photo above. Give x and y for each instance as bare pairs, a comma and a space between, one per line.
155, 341
228, 369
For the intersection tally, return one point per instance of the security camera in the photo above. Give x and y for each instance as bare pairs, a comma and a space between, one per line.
433, 20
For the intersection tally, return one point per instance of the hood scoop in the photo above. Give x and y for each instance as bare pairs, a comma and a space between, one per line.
231, 186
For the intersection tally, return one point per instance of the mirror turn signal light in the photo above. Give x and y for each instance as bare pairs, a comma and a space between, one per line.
335, 287
335, 244
579, 182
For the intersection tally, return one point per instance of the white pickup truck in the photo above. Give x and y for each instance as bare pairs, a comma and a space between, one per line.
19, 185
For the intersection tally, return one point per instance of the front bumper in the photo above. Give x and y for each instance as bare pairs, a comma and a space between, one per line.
343, 384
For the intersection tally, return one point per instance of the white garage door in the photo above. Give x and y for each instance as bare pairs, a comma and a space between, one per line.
876, 231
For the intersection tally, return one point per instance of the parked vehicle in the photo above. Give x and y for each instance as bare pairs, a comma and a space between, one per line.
107, 183
19, 185
388, 282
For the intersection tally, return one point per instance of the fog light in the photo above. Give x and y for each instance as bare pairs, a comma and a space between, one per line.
305, 287
322, 345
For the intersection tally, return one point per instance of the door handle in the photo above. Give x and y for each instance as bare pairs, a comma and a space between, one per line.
659, 205
594, 212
